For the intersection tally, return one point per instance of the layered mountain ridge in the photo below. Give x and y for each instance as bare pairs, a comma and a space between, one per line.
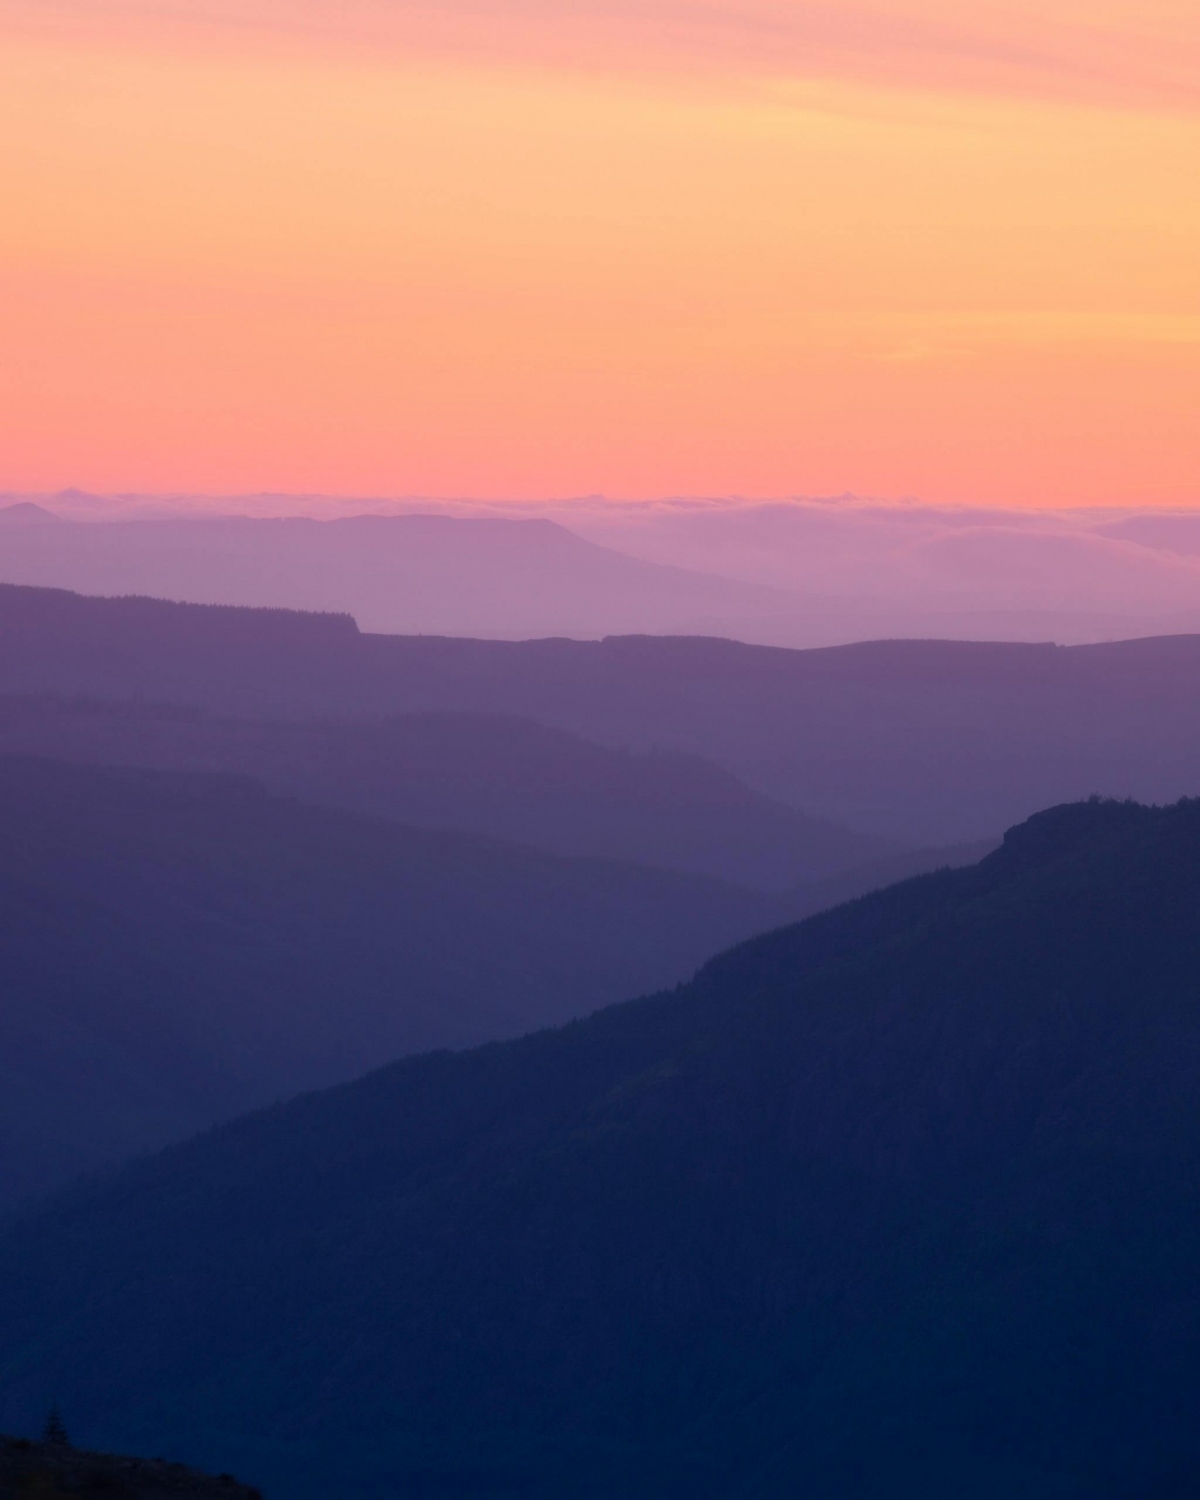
490, 774
922, 742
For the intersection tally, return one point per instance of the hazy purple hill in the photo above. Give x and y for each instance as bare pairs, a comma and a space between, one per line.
1165, 533
408, 574
787, 575
177, 948
26, 513
489, 774
265, 660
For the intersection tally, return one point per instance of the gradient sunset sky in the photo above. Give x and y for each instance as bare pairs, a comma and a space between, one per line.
531, 248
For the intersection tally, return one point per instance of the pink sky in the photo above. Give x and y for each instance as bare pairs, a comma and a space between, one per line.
514, 248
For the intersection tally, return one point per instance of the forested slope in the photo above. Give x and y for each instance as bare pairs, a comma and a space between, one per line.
902, 1200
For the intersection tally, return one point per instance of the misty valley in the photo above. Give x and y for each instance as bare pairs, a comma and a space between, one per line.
599, 750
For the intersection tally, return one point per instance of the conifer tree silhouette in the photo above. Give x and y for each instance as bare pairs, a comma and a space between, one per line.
55, 1430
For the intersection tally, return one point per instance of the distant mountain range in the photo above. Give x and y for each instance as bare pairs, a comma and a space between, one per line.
975, 566
789, 575
903, 1200
430, 575
922, 742
175, 949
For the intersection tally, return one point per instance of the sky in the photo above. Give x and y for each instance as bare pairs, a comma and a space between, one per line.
523, 249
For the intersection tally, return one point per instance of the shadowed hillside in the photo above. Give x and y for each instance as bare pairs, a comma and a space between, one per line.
481, 773
176, 949
900, 1201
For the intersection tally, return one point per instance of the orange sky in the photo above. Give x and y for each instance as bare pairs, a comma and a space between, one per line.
521, 248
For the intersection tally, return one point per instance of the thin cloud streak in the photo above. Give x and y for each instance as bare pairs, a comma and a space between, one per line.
1122, 53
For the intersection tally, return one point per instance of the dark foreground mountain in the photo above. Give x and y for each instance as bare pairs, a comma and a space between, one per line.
926, 742
55, 1471
900, 1201
492, 774
177, 949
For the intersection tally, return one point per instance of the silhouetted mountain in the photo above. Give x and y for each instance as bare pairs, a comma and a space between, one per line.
176, 949
926, 742
55, 1471
903, 1200
496, 775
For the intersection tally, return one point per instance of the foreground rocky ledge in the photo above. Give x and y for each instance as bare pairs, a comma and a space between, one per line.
42, 1471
